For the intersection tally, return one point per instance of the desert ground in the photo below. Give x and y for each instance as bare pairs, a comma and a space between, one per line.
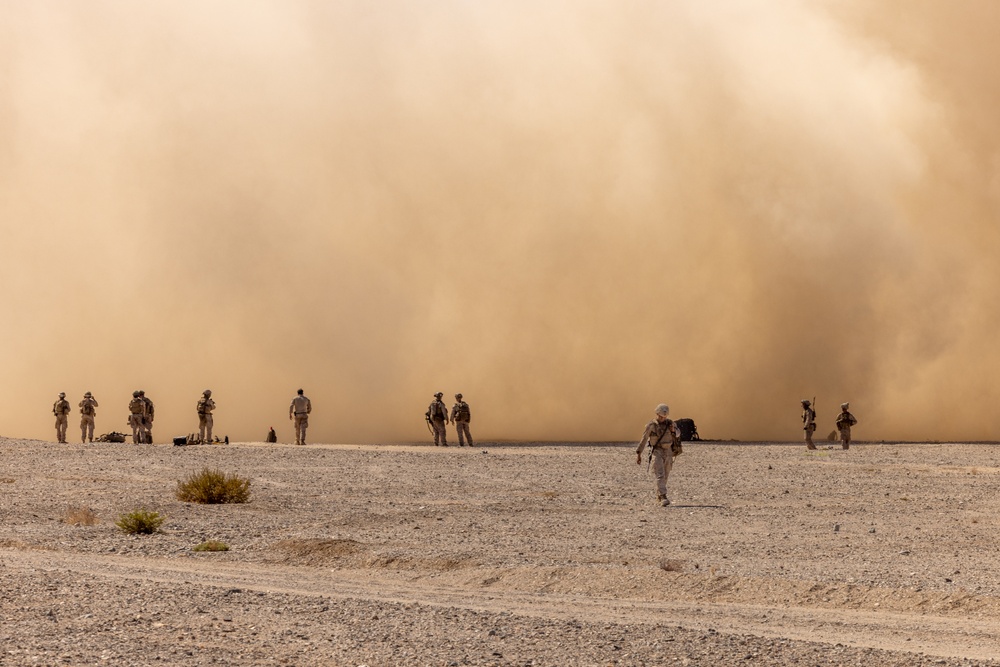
505, 554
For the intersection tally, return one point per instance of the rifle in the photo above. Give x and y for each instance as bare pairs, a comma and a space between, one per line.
427, 419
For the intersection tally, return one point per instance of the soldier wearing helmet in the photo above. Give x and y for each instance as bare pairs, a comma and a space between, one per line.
461, 415
437, 417
205, 421
808, 422
299, 411
61, 410
659, 435
87, 413
137, 417
844, 423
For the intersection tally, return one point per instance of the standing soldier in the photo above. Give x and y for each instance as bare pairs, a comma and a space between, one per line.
205, 422
299, 410
61, 410
136, 416
87, 413
808, 422
147, 418
659, 436
437, 417
844, 423
460, 417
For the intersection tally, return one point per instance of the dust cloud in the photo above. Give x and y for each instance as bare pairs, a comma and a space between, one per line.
568, 211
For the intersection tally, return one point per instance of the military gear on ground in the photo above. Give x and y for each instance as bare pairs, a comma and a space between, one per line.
114, 436
271, 436
688, 430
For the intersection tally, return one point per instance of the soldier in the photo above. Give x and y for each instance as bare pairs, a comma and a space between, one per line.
87, 414
61, 410
299, 410
205, 421
136, 417
659, 436
460, 417
844, 423
808, 422
437, 417
147, 419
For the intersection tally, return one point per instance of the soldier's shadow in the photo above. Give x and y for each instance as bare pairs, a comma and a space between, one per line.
697, 507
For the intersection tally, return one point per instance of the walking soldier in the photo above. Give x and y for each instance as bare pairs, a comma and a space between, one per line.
659, 435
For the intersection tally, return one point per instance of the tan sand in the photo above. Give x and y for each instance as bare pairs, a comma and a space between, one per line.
504, 555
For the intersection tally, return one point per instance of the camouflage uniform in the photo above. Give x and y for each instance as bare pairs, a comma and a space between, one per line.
147, 418
461, 415
136, 417
61, 410
205, 421
659, 434
87, 414
844, 423
808, 423
437, 414
299, 411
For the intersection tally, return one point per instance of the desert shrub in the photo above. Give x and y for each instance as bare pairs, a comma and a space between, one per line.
79, 516
212, 545
140, 522
213, 487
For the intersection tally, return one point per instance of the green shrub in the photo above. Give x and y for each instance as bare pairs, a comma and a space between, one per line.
213, 487
140, 522
212, 545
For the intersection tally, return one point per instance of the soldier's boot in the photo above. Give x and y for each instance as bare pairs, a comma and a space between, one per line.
663, 500
847, 445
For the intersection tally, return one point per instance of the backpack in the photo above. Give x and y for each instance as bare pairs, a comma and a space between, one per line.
688, 430
463, 414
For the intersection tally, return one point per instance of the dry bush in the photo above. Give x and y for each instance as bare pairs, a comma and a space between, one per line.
79, 516
140, 522
212, 545
213, 487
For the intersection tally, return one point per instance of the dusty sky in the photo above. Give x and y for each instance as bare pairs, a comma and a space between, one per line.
569, 211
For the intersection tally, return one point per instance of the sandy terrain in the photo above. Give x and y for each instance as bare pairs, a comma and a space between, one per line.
505, 555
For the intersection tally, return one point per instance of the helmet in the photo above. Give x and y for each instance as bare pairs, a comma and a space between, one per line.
87, 395
663, 409
300, 392
844, 406
207, 392
135, 394
62, 394
458, 396
806, 402
438, 395
142, 393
